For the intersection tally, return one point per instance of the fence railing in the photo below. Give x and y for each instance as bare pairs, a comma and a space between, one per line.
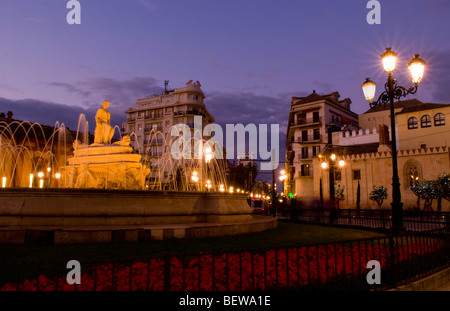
330, 266
375, 219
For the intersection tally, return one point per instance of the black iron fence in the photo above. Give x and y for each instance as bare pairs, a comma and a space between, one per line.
374, 219
328, 266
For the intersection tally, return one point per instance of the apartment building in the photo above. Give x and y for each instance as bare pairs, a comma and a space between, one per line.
150, 122
312, 119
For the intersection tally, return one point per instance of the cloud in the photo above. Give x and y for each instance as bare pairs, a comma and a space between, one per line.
248, 108
121, 93
44, 113
149, 5
438, 75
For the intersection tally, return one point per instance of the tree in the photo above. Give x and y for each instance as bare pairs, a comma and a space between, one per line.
242, 176
358, 196
378, 194
339, 193
427, 190
443, 184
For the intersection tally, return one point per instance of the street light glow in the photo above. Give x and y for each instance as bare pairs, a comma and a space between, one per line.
389, 59
369, 89
416, 66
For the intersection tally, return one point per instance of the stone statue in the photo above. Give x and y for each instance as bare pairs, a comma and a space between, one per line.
103, 131
125, 141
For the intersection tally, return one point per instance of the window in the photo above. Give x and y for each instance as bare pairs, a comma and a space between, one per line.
306, 171
338, 175
412, 123
439, 119
304, 135
412, 172
356, 174
305, 154
316, 134
301, 118
316, 117
139, 127
316, 151
425, 121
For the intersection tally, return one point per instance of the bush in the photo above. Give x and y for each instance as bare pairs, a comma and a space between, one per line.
378, 194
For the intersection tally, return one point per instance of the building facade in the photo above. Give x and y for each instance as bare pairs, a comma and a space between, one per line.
423, 154
312, 119
150, 122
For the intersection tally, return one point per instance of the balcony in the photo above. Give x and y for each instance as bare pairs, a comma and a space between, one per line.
310, 139
156, 129
307, 121
158, 141
154, 154
154, 116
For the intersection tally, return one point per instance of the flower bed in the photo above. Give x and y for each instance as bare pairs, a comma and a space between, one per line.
236, 271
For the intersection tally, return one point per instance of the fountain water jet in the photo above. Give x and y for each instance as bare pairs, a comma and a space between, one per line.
111, 209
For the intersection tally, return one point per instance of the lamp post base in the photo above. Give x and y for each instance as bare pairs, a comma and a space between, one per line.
397, 218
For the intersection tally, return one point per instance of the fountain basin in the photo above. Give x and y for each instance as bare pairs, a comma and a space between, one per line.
94, 215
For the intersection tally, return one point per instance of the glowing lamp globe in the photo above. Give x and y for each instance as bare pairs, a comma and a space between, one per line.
416, 66
369, 87
389, 59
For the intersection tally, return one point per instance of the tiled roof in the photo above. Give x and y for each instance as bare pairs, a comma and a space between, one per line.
423, 107
409, 105
313, 97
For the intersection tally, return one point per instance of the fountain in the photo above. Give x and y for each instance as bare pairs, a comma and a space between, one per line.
62, 186
103, 165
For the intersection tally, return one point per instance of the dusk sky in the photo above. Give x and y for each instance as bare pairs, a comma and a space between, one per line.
251, 56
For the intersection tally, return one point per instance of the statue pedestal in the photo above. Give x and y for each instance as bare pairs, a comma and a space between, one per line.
102, 166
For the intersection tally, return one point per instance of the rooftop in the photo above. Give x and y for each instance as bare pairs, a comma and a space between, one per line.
409, 105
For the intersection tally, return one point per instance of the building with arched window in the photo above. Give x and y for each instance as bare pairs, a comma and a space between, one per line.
423, 144
432, 131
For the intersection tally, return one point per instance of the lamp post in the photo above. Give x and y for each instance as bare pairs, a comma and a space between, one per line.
330, 164
208, 157
394, 91
283, 177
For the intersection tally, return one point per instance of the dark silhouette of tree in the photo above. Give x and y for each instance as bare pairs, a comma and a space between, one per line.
378, 194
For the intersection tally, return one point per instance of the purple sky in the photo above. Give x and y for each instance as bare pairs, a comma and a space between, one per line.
251, 56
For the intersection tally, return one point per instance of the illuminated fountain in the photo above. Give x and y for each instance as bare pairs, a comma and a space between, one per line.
103, 165
58, 187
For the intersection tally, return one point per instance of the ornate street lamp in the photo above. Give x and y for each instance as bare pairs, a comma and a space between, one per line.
394, 91
330, 164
